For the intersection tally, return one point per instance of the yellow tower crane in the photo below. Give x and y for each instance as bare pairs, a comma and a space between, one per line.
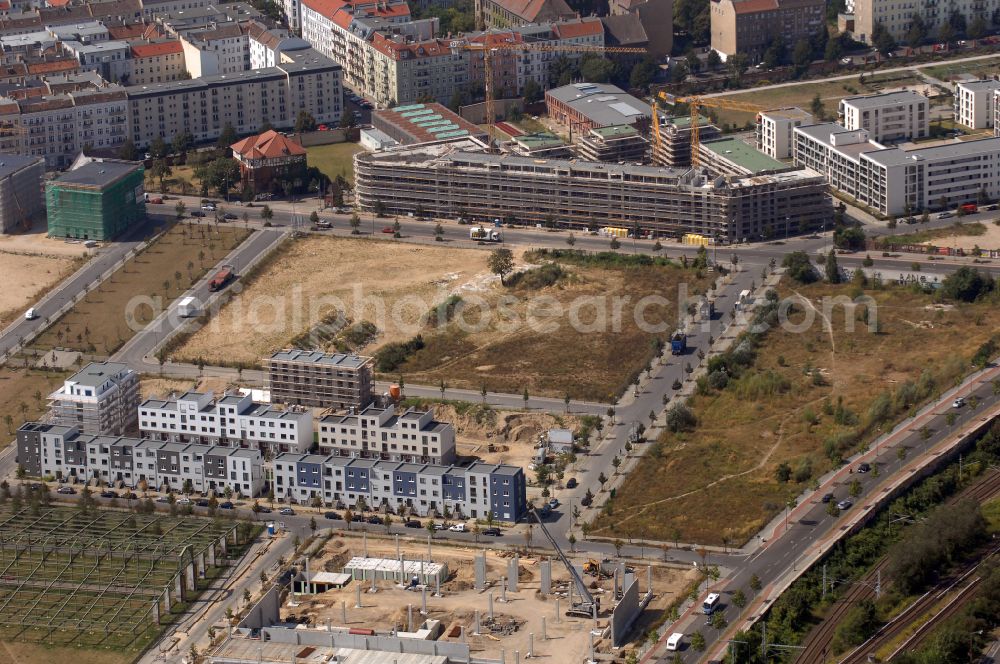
695, 103
490, 49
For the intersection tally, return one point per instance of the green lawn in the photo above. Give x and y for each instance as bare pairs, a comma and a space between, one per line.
335, 159
945, 72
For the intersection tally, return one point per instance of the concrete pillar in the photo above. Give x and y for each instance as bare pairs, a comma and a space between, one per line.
517, 657
437, 585
531, 645
156, 612
201, 564
557, 610
364, 538
398, 554
423, 600
649, 578
357, 602
343, 612
179, 587
429, 556
166, 599
402, 571
593, 658
503, 590
544, 638
409, 617
480, 565
491, 605
475, 632
461, 634
211, 554
189, 575
512, 574
373, 588
546, 577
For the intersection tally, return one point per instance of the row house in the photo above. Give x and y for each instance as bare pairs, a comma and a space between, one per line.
379, 433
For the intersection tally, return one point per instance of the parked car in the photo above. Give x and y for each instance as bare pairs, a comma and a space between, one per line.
163, 499
107, 493
946, 215
286, 511
844, 504
571, 483
230, 216
827, 497
357, 518
554, 503
228, 505
375, 520
958, 403
208, 207
263, 510
201, 502
493, 532
197, 213
183, 500
388, 229
66, 490
864, 468
413, 523
333, 516
458, 528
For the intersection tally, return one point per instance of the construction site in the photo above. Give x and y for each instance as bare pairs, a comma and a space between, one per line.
457, 602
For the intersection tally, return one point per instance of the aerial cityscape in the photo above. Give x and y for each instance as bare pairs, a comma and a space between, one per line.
480, 331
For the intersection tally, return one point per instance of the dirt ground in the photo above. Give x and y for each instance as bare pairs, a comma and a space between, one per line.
151, 387
387, 283
23, 395
33, 653
26, 278
988, 240
566, 641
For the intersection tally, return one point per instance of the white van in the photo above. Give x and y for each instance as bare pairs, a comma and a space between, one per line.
30, 314
674, 642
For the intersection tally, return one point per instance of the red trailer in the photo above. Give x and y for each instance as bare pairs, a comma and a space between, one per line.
221, 278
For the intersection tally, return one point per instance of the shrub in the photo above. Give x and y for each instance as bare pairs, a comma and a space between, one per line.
391, 356
800, 268
680, 418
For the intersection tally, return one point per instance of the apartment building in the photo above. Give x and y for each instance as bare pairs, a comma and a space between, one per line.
974, 103
732, 157
157, 62
613, 144
50, 450
232, 420
477, 491
379, 433
775, 135
749, 27
107, 58
888, 118
459, 177
100, 399
267, 47
895, 181
221, 49
501, 14
304, 81
321, 380
896, 17
20, 191
58, 126
674, 147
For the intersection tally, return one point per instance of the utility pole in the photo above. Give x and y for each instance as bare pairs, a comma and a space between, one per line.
824, 581
878, 583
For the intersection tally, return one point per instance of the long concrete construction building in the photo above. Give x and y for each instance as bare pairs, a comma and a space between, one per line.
460, 178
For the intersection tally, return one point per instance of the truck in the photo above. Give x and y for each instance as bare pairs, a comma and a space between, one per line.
221, 278
188, 307
678, 343
484, 234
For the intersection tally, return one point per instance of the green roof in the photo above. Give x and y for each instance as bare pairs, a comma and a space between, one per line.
615, 131
682, 121
539, 140
745, 156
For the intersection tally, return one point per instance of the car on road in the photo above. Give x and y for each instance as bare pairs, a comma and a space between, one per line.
163, 499
230, 216
375, 521
30, 314
958, 403
286, 511
554, 503
846, 61
228, 505
827, 497
183, 500
108, 494
263, 510
333, 516
413, 523
864, 468
946, 215
571, 483
66, 490
844, 504
493, 532
674, 642
457, 528
197, 213
208, 207
388, 229
357, 518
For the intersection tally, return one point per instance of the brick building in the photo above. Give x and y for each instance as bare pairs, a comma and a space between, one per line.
267, 158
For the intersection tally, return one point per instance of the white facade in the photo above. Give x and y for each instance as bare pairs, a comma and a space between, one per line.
99, 399
266, 48
974, 103
378, 433
888, 118
232, 420
775, 136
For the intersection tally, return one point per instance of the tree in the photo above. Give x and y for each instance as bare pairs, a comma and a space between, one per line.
128, 151
160, 170
180, 209
596, 68
917, 32
783, 472
966, 285
832, 269
266, 213
755, 584
817, 107
227, 137
698, 641
157, 148
570, 239
500, 262
355, 224
615, 244
739, 599
799, 267
533, 92
856, 626
304, 121
802, 54
314, 217
643, 72
882, 39
438, 233
713, 60
978, 27
182, 142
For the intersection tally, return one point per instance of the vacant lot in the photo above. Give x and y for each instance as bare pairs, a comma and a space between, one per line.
27, 277
571, 332
98, 324
23, 395
333, 160
808, 400
979, 68
830, 93
16, 652
390, 284
958, 234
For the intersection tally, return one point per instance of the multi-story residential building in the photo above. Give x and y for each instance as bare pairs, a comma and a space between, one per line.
733, 157
233, 421
222, 49
58, 127
96, 200
267, 46
895, 181
501, 14
674, 146
86, 32
896, 17
888, 118
378, 433
584, 106
974, 103
107, 58
749, 27
321, 380
641, 23
304, 81
157, 62
100, 399
153, 8
20, 191
775, 136
459, 177
613, 144
66, 453
480, 491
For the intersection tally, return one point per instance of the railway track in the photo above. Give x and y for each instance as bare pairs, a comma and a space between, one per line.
955, 605
817, 643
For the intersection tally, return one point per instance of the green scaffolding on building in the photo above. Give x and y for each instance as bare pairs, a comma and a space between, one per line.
97, 201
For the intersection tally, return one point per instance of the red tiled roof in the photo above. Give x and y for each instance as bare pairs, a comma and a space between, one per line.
156, 49
131, 31
380, 8
754, 6
63, 65
268, 145
423, 49
56, 3
586, 27
535, 9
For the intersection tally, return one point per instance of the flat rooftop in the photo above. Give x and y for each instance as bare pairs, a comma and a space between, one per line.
96, 373
602, 104
884, 99
316, 357
270, 652
98, 174
12, 163
539, 140
744, 156
615, 131
790, 113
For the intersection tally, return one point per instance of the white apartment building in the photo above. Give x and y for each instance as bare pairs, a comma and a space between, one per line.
974, 103
100, 399
224, 49
888, 118
378, 433
267, 47
58, 127
775, 136
107, 58
64, 453
895, 15
233, 420
895, 181
304, 80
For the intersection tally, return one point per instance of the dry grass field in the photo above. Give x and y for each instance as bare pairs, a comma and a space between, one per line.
27, 277
98, 325
808, 399
534, 343
18, 391
390, 284
34, 653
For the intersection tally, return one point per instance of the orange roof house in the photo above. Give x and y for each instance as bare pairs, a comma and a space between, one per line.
269, 159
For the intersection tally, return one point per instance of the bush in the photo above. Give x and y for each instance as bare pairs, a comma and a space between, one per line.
852, 238
800, 268
537, 278
680, 418
391, 356
966, 285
